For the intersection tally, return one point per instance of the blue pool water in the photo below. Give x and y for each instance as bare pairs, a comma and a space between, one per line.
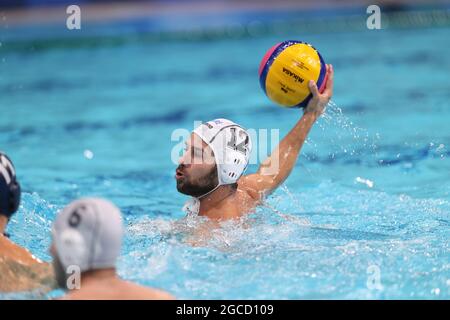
369, 195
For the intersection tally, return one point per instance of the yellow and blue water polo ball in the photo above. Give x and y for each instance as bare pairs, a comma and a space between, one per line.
286, 69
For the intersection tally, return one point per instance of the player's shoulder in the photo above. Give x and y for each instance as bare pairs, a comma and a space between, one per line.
15, 252
142, 292
249, 186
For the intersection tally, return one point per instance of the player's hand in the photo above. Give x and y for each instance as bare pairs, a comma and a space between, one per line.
319, 101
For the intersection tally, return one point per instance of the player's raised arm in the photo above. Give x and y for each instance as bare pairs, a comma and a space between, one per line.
277, 167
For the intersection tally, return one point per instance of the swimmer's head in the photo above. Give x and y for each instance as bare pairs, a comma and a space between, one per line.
9, 187
217, 153
87, 235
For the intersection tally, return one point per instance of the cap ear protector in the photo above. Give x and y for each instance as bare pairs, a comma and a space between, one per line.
87, 233
14, 200
9, 187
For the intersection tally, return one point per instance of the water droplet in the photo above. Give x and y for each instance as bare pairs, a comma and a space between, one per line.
88, 154
436, 291
367, 182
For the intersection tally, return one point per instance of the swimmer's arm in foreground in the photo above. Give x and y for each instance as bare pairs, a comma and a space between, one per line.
20, 271
277, 167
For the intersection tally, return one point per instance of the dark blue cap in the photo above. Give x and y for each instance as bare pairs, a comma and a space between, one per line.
9, 187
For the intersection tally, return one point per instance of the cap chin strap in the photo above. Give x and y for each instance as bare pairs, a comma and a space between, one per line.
210, 191
219, 183
192, 207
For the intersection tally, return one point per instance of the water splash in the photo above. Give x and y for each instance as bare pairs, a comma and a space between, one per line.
345, 136
30, 227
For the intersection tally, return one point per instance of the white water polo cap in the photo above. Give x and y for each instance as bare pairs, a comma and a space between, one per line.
231, 145
88, 233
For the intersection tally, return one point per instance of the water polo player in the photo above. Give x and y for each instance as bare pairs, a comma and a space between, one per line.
87, 237
217, 154
19, 270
